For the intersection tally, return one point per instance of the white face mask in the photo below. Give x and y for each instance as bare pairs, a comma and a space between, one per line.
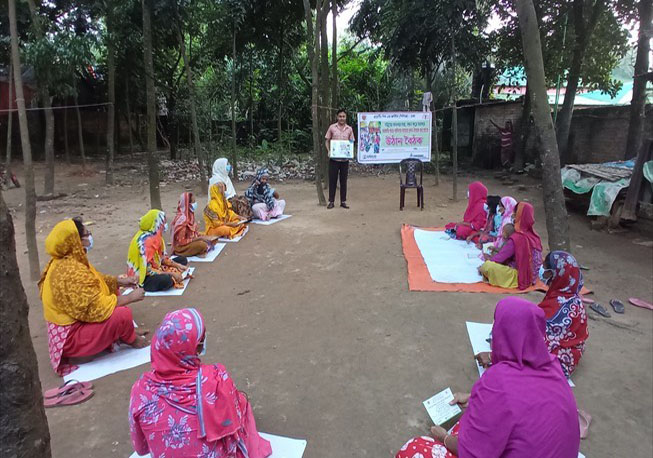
486, 208
193, 207
90, 243
499, 211
468, 194
165, 227
203, 352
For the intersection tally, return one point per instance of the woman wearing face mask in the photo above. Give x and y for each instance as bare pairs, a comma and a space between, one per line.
183, 408
186, 240
82, 308
264, 198
147, 257
475, 216
239, 204
566, 320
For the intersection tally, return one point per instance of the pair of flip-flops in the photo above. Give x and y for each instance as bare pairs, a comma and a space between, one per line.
616, 305
70, 393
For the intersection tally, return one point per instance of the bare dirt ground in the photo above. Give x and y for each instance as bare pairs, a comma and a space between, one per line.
314, 319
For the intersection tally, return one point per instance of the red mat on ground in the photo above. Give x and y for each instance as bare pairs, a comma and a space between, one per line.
419, 278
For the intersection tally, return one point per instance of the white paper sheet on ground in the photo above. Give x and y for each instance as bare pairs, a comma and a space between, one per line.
271, 221
171, 291
282, 447
580, 455
478, 333
449, 260
125, 358
211, 255
235, 239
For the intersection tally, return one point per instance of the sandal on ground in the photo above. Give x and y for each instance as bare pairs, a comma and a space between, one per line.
598, 308
330, 206
617, 306
584, 420
344, 205
69, 399
640, 303
69, 386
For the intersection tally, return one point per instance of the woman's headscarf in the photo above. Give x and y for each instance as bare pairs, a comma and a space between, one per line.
509, 205
184, 221
259, 192
523, 400
179, 377
69, 284
525, 222
220, 175
565, 284
147, 245
475, 213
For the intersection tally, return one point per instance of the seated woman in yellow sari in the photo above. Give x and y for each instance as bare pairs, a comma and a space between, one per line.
82, 308
220, 219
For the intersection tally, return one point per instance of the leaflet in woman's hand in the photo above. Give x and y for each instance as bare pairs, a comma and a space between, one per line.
439, 409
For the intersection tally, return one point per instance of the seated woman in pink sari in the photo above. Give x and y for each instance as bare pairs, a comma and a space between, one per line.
522, 406
183, 408
475, 215
186, 239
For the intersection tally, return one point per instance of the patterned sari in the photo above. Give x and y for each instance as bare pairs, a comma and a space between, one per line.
188, 409
566, 319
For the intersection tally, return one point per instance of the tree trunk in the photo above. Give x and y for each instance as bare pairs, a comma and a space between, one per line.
324, 81
557, 224
251, 97
129, 117
629, 211
152, 159
193, 112
313, 47
280, 85
23, 425
49, 143
524, 128
80, 133
46, 101
111, 92
454, 125
66, 145
30, 192
234, 162
583, 33
334, 58
10, 121
638, 102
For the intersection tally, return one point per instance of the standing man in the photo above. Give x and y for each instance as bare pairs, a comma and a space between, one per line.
338, 131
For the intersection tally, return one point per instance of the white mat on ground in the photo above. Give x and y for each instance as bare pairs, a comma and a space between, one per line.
449, 260
125, 358
282, 447
171, 291
478, 333
235, 239
271, 221
211, 255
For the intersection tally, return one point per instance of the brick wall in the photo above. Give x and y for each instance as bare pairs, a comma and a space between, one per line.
486, 147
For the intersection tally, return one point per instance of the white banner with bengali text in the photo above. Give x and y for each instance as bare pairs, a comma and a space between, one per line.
390, 137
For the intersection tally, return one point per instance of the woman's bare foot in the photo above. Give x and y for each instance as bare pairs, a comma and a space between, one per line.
140, 342
142, 331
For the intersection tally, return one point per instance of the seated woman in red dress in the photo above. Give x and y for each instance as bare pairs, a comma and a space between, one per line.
475, 216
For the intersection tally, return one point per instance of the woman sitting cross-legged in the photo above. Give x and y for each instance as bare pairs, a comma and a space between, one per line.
186, 240
183, 408
520, 257
522, 406
239, 204
82, 308
147, 257
475, 215
220, 220
263, 197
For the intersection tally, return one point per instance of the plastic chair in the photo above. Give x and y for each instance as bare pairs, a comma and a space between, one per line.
411, 166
